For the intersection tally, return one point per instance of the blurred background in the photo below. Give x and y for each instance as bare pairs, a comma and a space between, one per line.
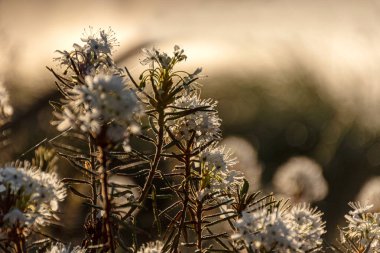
298, 82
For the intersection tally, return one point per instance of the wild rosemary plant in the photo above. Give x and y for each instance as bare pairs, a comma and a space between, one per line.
102, 111
29, 196
105, 117
362, 231
29, 201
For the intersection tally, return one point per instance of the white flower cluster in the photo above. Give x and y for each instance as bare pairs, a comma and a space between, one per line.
32, 196
162, 65
203, 123
308, 224
216, 174
6, 110
162, 59
61, 248
102, 103
297, 230
363, 228
248, 160
151, 247
265, 230
301, 179
93, 57
217, 158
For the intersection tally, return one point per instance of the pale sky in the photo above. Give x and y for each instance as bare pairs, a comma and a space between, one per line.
337, 40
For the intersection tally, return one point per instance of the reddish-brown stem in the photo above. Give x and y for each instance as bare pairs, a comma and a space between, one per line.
185, 198
199, 225
93, 178
106, 201
19, 241
95, 235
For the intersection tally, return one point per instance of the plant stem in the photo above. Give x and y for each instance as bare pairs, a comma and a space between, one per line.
106, 201
185, 198
19, 247
93, 179
156, 160
20, 241
199, 225
94, 222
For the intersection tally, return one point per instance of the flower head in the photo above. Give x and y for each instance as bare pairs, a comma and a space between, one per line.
264, 230
102, 104
203, 122
215, 170
101, 43
163, 60
248, 160
363, 228
93, 57
301, 179
164, 78
218, 158
151, 247
296, 230
308, 224
61, 248
32, 196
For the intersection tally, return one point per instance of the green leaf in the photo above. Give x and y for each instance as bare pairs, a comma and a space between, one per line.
79, 194
244, 189
155, 210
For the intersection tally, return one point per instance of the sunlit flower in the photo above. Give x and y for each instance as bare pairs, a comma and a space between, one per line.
203, 123
308, 224
363, 228
216, 170
93, 57
248, 161
103, 103
31, 196
370, 193
154, 55
162, 59
61, 248
217, 158
301, 179
101, 43
296, 230
269, 231
151, 247
108, 96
